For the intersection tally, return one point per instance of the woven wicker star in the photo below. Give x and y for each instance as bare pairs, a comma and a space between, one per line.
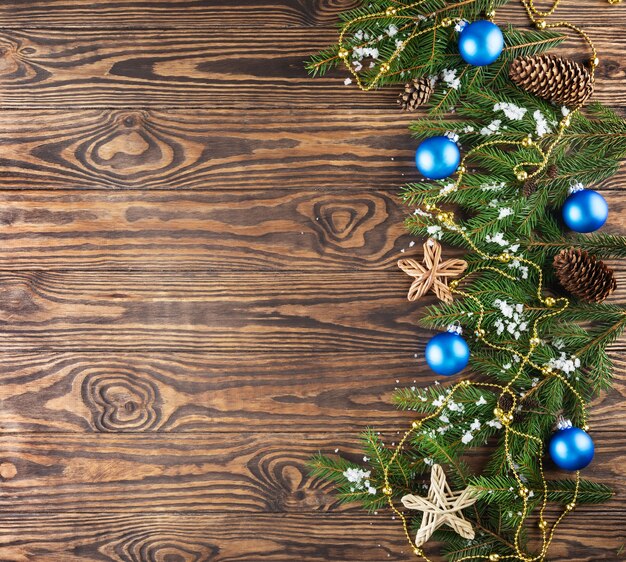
441, 507
433, 274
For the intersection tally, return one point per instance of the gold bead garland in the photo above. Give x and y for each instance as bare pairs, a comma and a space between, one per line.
554, 306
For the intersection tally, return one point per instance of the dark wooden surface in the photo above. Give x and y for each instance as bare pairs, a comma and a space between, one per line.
198, 286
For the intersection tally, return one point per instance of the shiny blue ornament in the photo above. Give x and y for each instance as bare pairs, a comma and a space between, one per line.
437, 158
585, 211
571, 448
481, 43
447, 353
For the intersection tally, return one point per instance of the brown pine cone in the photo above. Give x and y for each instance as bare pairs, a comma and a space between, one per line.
553, 171
553, 78
530, 186
416, 93
527, 405
583, 275
505, 402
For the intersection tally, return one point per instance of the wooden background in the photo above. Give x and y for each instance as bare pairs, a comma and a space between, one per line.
198, 286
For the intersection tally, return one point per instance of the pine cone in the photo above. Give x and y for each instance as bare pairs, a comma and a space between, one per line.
416, 93
583, 275
553, 78
553, 171
530, 186
505, 402
527, 406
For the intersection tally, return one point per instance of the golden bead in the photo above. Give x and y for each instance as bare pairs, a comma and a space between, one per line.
446, 22
462, 169
417, 551
595, 62
504, 258
522, 175
391, 11
549, 301
527, 141
570, 506
384, 68
491, 14
494, 557
453, 284
547, 369
479, 333
387, 491
429, 206
543, 524
585, 427
416, 424
540, 24
535, 341
343, 53
523, 492
566, 122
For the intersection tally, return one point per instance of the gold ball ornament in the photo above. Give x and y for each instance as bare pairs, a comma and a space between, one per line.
387, 490
462, 169
384, 68
550, 301
522, 175
535, 341
543, 524
494, 557
446, 22
343, 53
528, 141
540, 24
391, 11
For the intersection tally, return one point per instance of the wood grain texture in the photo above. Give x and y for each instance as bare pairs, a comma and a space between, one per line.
210, 473
221, 393
231, 13
242, 230
116, 537
234, 69
221, 311
205, 149
198, 286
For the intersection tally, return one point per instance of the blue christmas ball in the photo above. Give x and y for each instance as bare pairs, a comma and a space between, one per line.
437, 158
585, 211
571, 448
481, 43
447, 353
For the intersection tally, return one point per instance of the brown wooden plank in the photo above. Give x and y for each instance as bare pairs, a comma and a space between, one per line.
235, 13
230, 68
221, 393
243, 230
229, 312
204, 149
172, 13
208, 150
111, 537
211, 473
217, 230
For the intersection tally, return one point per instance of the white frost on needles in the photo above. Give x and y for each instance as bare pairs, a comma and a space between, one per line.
514, 321
543, 127
492, 129
510, 110
565, 364
360, 479
450, 79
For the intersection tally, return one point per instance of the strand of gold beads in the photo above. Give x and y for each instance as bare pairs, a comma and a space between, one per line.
557, 306
522, 173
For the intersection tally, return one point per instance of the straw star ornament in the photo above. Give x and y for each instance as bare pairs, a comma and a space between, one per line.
433, 273
442, 506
